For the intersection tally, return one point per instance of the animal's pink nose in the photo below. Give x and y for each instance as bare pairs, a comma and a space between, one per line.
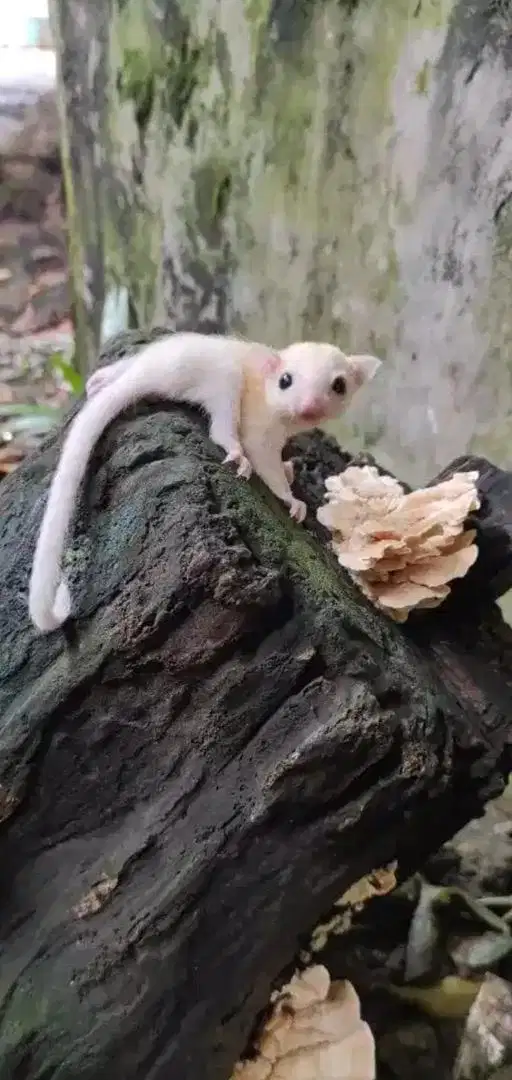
313, 410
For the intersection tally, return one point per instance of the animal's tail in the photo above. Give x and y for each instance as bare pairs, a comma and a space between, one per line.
49, 599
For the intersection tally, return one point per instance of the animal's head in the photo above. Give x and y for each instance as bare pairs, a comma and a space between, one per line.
310, 382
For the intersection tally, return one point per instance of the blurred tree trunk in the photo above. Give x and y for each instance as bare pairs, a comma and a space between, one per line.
203, 150
280, 168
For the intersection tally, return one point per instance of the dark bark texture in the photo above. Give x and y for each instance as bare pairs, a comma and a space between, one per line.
228, 737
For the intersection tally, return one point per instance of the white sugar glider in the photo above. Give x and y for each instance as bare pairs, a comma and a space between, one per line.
255, 396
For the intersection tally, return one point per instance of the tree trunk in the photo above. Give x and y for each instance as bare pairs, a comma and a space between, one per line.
256, 166
229, 737
292, 170
193, 139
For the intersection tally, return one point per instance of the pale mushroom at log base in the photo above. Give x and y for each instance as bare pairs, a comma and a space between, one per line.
314, 1032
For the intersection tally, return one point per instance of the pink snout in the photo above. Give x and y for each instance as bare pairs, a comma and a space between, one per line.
313, 410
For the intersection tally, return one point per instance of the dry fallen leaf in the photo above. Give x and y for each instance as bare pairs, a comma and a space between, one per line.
379, 882
10, 457
486, 1046
449, 999
481, 953
315, 1032
423, 934
402, 549
96, 898
335, 925
8, 803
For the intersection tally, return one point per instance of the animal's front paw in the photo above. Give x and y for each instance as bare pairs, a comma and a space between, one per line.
289, 470
244, 466
298, 510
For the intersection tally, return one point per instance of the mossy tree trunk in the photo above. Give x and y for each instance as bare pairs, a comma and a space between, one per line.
226, 738
452, 373
263, 166
217, 160
190, 136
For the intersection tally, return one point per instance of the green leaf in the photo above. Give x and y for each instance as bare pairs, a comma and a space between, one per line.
497, 901
423, 934
69, 373
449, 999
455, 896
35, 425
33, 418
481, 953
29, 409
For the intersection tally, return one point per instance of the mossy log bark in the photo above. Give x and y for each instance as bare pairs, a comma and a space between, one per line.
230, 736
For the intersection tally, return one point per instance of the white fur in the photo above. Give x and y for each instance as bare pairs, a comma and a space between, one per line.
314, 365
180, 368
308, 400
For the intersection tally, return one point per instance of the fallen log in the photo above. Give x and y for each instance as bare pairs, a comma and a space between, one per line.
229, 737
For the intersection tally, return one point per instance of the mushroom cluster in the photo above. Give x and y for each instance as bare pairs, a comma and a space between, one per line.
402, 549
315, 1032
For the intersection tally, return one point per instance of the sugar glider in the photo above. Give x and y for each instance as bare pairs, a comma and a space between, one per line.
256, 398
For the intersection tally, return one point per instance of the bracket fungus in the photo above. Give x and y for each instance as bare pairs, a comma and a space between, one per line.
402, 549
315, 1032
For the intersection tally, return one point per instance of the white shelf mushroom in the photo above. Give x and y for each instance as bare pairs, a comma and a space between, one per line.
315, 1032
402, 549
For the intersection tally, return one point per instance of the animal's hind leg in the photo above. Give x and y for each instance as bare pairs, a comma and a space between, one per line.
106, 375
224, 423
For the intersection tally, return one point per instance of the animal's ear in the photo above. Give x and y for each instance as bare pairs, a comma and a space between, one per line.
268, 360
363, 368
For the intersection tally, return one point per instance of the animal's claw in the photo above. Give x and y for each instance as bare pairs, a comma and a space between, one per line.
244, 469
244, 466
298, 510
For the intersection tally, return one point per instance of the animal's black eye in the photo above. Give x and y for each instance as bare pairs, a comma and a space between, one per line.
339, 385
285, 381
